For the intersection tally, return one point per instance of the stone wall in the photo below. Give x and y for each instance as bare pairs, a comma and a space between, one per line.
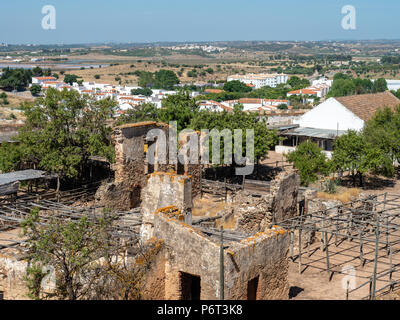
12, 273
191, 252
193, 170
130, 165
165, 190
284, 190
256, 213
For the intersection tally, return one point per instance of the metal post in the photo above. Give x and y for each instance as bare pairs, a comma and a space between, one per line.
376, 258
221, 266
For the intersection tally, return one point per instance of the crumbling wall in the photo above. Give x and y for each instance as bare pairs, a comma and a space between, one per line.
130, 165
256, 213
164, 190
12, 273
284, 189
193, 170
192, 252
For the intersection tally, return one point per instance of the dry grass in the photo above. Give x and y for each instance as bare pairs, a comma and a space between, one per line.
228, 224
345, 195
207, 207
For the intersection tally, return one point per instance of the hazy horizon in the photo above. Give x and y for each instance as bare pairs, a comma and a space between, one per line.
154, 21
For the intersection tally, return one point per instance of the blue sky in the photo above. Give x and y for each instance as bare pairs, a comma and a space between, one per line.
90, 21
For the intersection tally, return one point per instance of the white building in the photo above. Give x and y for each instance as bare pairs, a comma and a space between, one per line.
260, 80
335, 117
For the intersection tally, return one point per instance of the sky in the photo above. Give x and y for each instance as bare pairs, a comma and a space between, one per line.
96, 21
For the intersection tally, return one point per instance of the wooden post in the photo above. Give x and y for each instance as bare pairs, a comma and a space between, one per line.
201, 186
391, 267
243, 181
376, 257
292, 243
300, 229
350, 225
322, 231
221, 266
337, 228
347, 290
370, 288
361, 248
327, 252
386, 221
226, 191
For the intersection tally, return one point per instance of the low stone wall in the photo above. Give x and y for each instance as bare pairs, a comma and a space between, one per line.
12, 273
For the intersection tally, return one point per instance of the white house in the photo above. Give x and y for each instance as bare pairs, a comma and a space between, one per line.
260, 80
335, 117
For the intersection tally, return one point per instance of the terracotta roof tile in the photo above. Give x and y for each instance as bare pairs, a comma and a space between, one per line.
365, 105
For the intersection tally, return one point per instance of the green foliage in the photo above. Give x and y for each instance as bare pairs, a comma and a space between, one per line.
354, 153
263, 137
60, 133
345, 85
165, 79
144, 112
162, 79
180, 108
297, 83
309, 159
183, 109
380, 85
383, 132
35, 89
69, 247
330, 186
15, 79
236, 86
142, 91
70, 78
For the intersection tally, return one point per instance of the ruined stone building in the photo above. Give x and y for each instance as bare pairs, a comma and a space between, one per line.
255, 250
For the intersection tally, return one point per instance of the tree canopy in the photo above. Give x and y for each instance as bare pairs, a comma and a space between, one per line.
60, 133
309, 159
236, 86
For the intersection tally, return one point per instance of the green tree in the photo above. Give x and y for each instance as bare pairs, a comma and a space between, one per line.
383, 132
144, 112
35, 89
61, 131
380, 85
15, 79
89, 261
142, 91
70, 78
354, 154
297, 83
309, 159
180, 107
236, 86
165, 79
